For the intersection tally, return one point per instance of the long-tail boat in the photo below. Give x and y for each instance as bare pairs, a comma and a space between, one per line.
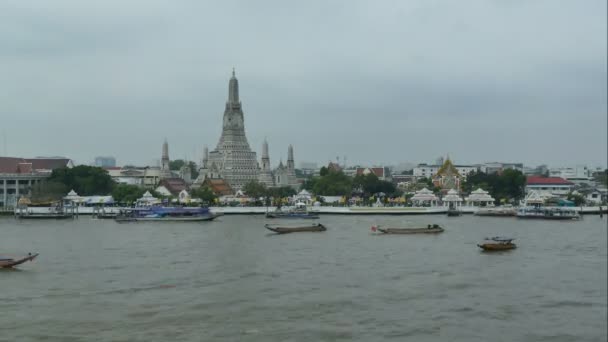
429, 229
497, 244
9, 261
295, 229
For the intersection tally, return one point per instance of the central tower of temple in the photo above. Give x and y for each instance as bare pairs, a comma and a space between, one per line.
233, 158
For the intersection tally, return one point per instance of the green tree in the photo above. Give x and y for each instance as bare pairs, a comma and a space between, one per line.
255, 189
193, 169
324, 171
205, 194
333, 183
85, 180
578, 199
509, 185
176, 164
48, 191
127, 193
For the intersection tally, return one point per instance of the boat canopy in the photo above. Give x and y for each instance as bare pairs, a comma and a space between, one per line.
499, 239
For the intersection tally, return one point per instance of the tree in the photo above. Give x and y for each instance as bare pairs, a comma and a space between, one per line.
333, 183
193, 170
509, 185
204, 193
255, 189
177, 164
324, 171
85, 180
578, 199
48, 191
127, 193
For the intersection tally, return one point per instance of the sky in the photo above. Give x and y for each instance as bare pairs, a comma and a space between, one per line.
377, 82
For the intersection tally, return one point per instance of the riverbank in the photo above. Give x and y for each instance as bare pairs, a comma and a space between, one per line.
320, 210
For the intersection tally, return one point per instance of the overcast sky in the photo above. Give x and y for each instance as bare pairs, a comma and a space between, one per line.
381, 82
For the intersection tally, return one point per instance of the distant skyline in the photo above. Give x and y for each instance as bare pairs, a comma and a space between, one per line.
379, 82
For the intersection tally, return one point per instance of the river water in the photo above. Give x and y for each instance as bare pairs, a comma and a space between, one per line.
230, 280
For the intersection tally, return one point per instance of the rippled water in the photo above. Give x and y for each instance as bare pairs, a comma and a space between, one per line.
230, 280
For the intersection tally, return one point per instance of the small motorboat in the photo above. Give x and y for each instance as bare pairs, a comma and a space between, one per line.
430, 229
497, 244
295, 229
10, 261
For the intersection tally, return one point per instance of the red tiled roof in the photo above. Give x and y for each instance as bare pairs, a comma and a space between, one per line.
9, 164
47, 163
24, 168
29, 165
378, 171
536, 180
218, 186
174, 185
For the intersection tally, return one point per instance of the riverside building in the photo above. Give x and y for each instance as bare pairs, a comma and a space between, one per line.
19, 175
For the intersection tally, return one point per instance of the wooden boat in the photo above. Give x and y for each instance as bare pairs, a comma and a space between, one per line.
430, 229
293, 215
165, 214
44, 216
497, 244
296, 229
8, 262
125, 219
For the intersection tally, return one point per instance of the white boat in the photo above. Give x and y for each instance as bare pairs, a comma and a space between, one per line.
496, 211
548, 213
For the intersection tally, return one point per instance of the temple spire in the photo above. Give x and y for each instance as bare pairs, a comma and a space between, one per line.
265, 153
233, 89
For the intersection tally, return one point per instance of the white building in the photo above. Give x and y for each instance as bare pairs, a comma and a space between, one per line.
579, 172
497, 167
141, 176
424, 197
479, 198
548, 186
452, 199
428, 171
19, 175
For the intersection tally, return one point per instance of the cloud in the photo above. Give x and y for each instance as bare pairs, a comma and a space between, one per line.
379, 82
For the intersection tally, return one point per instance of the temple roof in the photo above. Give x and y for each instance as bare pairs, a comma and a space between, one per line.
479, 195
447, 169
452, 196
218, 186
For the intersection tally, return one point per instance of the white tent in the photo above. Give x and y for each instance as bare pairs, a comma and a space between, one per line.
147, 199
452, 197
479, 197
424, 196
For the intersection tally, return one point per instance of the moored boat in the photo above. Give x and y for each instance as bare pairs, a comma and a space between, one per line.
496, 211
497, 244
279, 229
10, 261
165, 214
292, 215
430, 229
44, 216
548, 213
298, 212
